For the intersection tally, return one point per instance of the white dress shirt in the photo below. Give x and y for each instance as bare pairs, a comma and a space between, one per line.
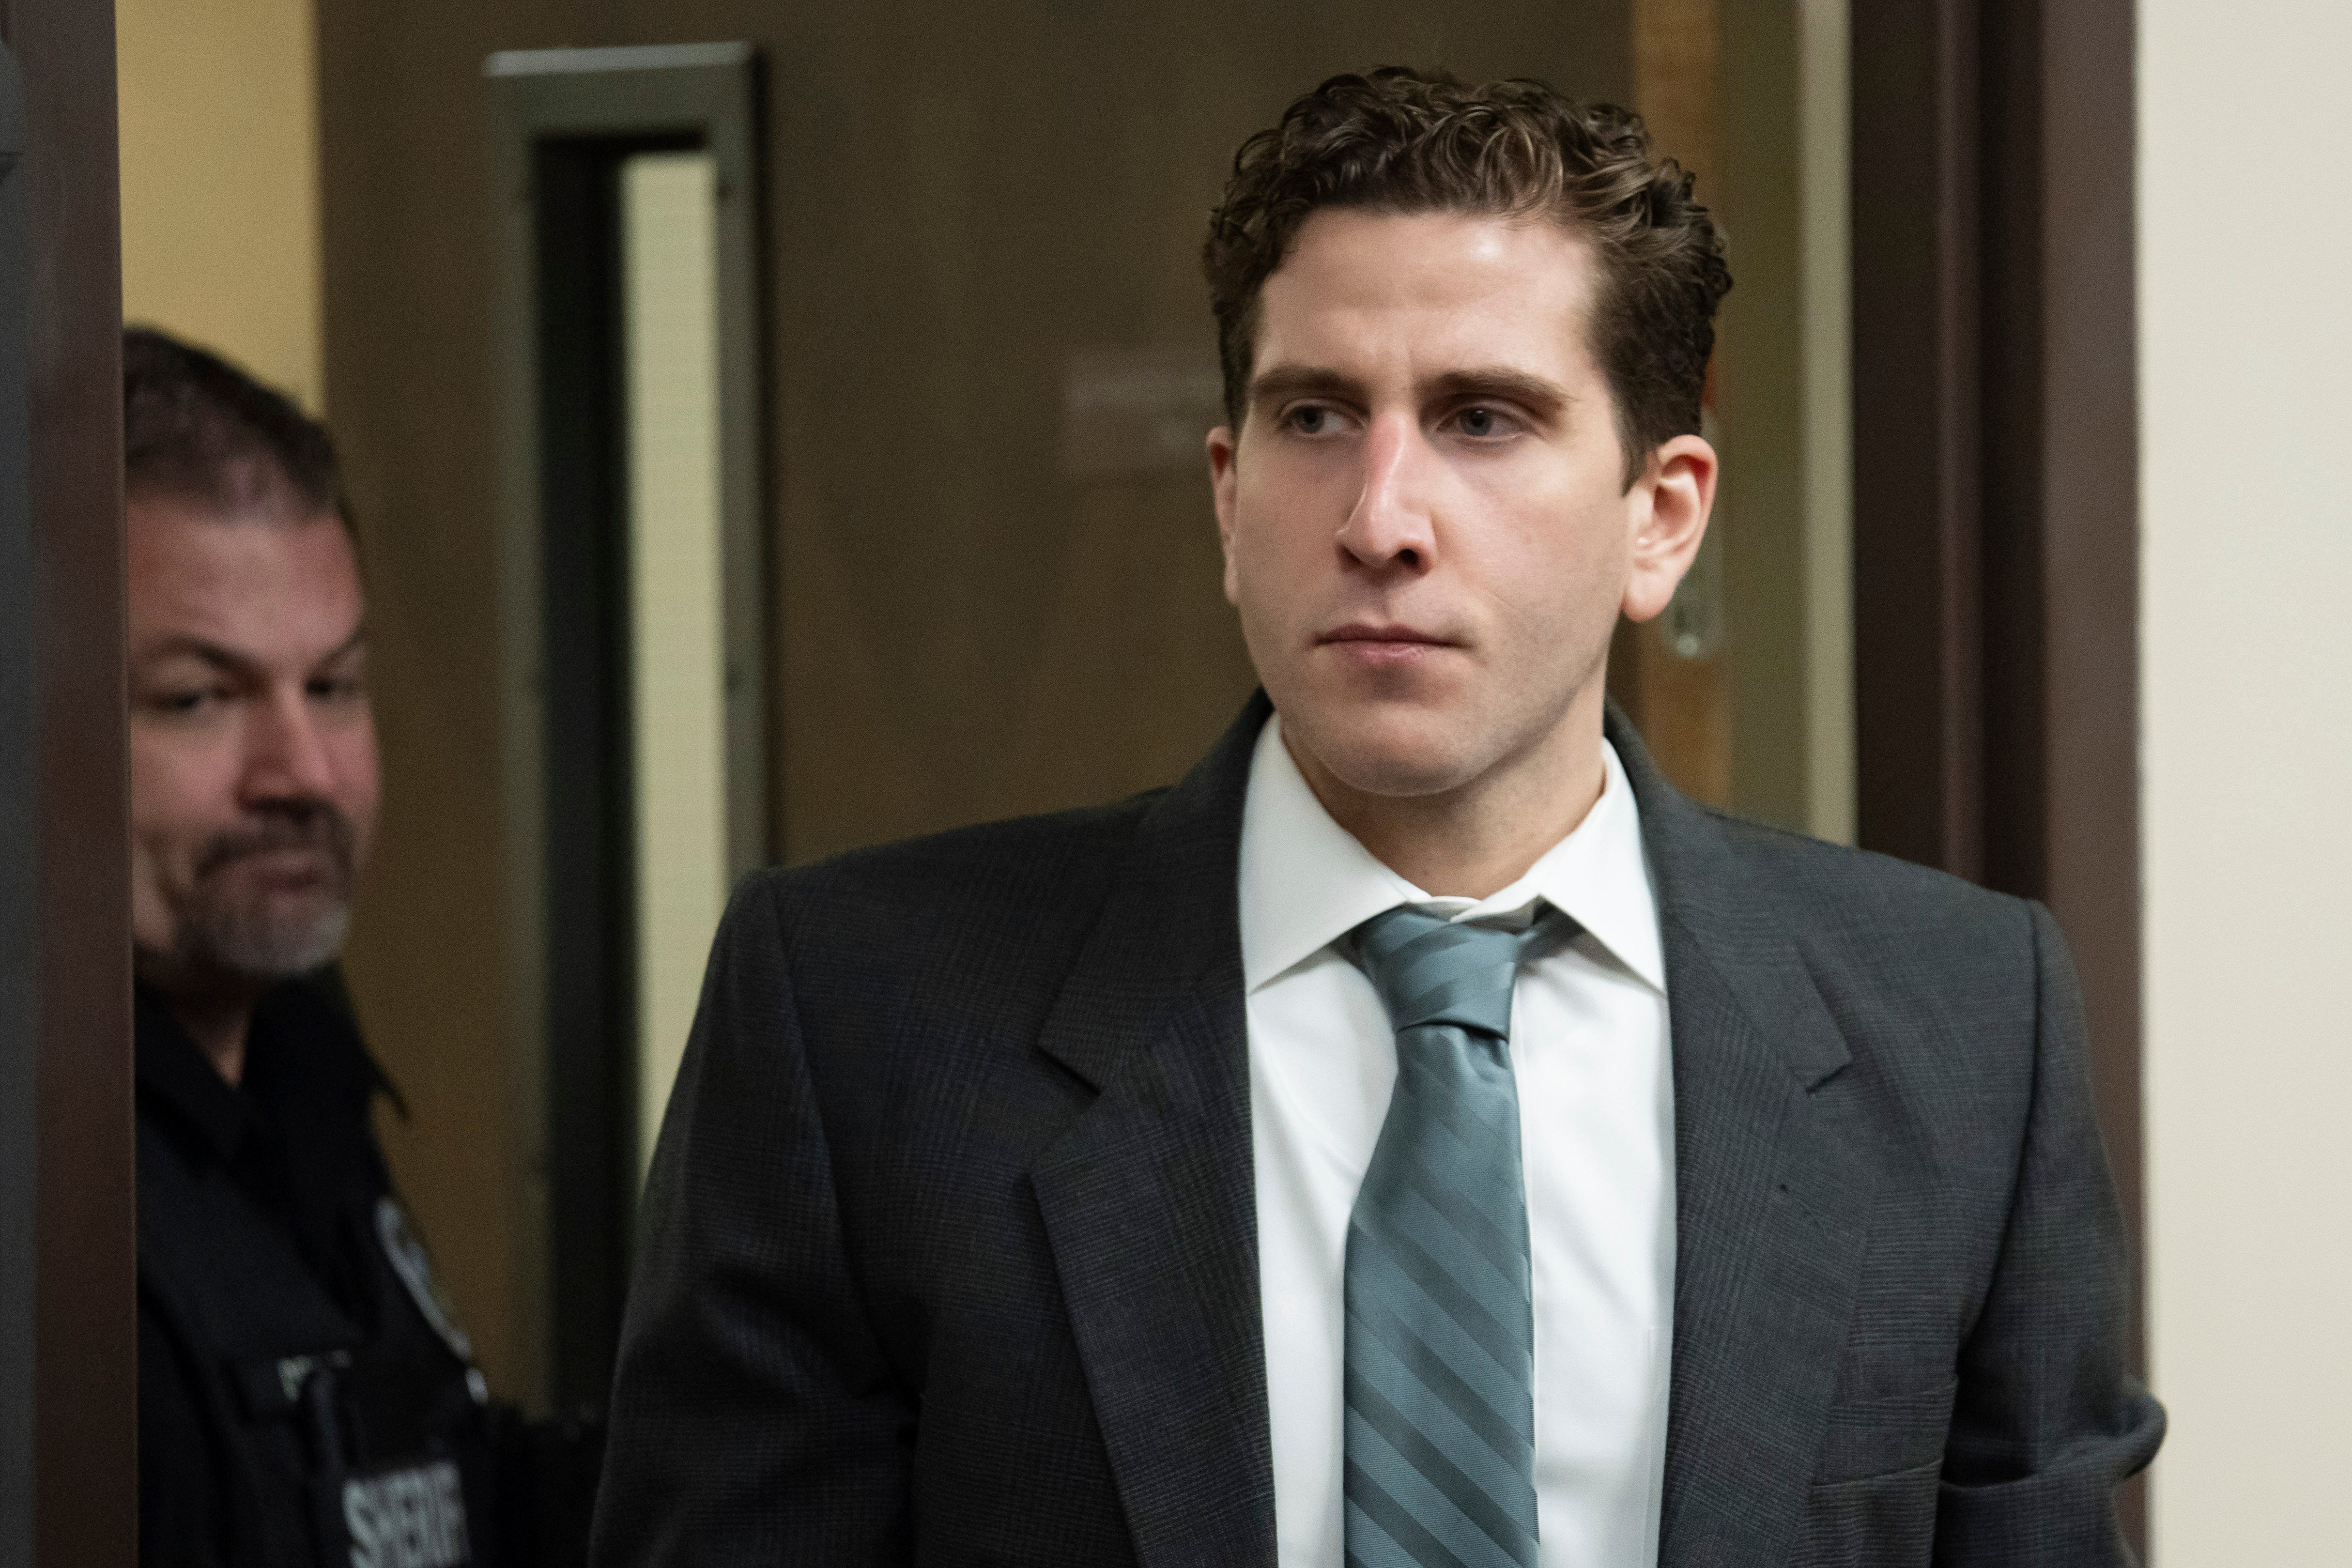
1588, 1049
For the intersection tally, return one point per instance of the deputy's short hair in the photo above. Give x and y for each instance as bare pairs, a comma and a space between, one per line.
1405, 141
198, 429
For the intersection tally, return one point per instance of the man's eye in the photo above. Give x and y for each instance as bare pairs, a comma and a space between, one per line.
187, 701
1480, 423
1311, 421
338, 688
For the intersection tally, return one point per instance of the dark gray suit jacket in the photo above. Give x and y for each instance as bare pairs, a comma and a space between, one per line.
952, 1251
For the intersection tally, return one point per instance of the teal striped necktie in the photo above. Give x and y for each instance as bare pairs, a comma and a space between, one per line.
1441, 1325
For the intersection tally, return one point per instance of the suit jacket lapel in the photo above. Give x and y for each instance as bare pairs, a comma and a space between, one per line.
1148, 1199
1771, 1212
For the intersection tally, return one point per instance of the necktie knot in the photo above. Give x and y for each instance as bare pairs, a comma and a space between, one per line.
1430, 970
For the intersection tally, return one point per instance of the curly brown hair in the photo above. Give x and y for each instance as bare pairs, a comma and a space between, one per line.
1406, 141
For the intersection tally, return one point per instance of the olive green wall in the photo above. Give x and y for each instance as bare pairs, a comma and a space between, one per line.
958, 196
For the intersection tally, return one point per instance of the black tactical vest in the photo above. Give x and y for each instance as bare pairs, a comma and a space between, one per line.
345, 1423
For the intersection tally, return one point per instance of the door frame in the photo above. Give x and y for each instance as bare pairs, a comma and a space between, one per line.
566, 788
1996, 487
68, 1323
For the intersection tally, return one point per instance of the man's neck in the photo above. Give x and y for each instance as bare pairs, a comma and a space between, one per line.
1476, 840
219, 1026
217, 1010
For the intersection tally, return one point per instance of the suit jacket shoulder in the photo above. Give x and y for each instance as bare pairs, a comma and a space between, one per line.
1924, 995
994, 912
1885, 935
1861, 896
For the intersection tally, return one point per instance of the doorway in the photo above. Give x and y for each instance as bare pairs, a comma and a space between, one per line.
635, 636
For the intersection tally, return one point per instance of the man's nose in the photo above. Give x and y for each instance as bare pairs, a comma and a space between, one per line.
1390, 524
287, 757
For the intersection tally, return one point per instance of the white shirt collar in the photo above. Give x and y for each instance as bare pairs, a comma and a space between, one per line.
1306, 882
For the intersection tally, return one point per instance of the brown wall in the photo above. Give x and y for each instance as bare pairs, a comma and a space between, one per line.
958, 196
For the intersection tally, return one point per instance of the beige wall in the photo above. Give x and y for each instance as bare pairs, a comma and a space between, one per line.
220, 197
2247, 768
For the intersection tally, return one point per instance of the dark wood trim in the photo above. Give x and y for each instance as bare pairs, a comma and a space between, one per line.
1996, 483
20, 916
63, 381
2087, 794
1917, 676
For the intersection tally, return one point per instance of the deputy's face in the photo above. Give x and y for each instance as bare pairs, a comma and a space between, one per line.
253, 762
1426, 522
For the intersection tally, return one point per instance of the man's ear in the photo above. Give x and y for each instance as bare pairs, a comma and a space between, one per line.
1222, 456
1667, 510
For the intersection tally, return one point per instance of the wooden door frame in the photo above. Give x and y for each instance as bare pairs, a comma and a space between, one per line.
1996, 484
69, 1335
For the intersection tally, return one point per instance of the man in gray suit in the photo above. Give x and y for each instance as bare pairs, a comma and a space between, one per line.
1421, 1136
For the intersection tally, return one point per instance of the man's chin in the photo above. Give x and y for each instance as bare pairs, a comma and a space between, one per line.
1394, 751
255, 943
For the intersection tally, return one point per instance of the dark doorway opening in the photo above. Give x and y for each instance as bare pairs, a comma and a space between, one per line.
590, 890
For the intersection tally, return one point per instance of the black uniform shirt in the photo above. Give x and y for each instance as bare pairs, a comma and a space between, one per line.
266, 1239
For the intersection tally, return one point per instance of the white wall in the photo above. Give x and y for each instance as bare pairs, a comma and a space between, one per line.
2245, 126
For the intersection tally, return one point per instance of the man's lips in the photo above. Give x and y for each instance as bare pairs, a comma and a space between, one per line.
1366, 631
1377, 643
281, 866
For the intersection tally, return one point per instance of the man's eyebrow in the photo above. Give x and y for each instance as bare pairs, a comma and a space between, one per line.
211, 653
230, 660
349, 645
1274, 385
1535, 392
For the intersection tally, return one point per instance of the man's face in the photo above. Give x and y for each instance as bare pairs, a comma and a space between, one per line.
253, 764
1426, 522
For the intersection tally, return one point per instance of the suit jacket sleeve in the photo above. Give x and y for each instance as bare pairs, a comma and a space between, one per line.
754, 1419
2048, 1419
